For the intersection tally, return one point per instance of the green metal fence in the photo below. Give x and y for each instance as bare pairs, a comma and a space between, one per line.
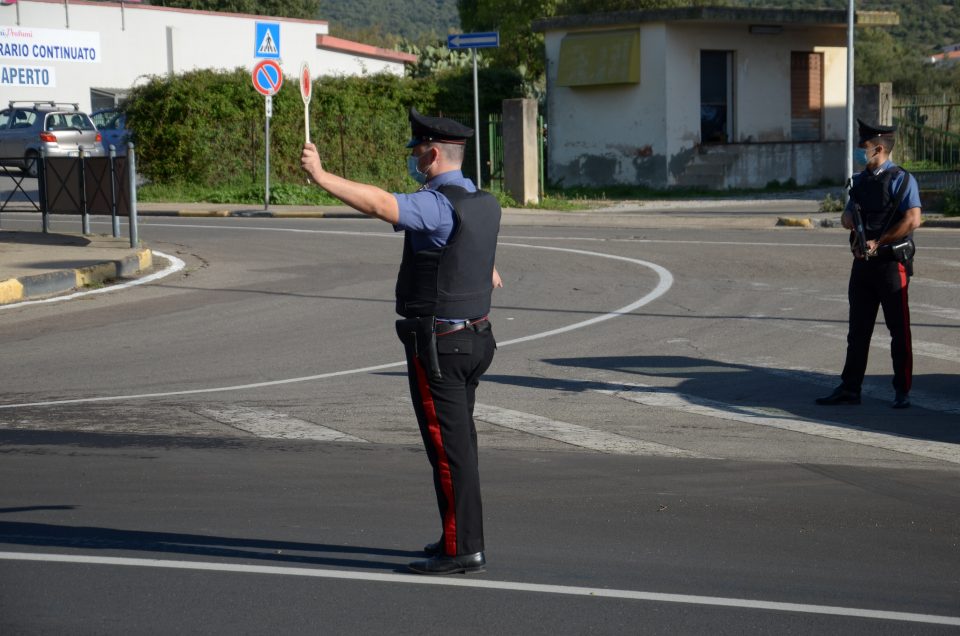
928, 139
928, 131
926, 147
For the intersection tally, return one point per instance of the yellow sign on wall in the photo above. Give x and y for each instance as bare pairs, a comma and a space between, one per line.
611, 57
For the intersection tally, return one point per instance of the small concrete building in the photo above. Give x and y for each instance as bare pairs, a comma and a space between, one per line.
92, 53
703, 97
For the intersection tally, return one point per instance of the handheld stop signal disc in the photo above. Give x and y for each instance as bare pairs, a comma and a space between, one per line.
306, 89
306, 85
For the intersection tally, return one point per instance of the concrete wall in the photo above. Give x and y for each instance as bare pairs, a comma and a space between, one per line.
613, 133
649, 133
146, 40
873, 103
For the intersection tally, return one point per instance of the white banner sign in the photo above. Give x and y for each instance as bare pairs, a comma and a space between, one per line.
36, 76
48, 45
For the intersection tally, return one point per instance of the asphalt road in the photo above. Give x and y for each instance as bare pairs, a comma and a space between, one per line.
231, 450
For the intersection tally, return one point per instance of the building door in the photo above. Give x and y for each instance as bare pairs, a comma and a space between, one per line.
806, 96
716, 97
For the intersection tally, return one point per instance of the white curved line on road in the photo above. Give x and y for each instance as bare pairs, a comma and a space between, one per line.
663, 284
175, 266
487, 584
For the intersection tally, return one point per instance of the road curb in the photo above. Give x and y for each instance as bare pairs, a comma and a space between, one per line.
35, 286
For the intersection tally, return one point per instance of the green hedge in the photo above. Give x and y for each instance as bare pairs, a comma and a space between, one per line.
207, 127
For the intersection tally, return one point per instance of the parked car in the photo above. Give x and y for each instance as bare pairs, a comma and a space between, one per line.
58, 128
112, 124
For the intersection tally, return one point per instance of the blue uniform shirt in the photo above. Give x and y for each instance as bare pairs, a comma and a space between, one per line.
427, 214
911, 198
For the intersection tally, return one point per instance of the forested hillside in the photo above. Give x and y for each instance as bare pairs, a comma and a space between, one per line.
925, 25
410, 19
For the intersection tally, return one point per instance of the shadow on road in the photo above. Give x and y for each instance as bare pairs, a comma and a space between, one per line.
49, 535
751, 390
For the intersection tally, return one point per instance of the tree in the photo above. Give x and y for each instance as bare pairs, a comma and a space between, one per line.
520, 48
306, 9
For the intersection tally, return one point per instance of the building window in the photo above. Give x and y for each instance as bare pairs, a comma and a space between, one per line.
716, 96
806, 95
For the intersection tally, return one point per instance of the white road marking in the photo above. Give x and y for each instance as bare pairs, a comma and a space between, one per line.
668, 398
875, 388
933, 282
934, 310
175, 266
487, 584
664, 283
920, 347
268, 423
574, 434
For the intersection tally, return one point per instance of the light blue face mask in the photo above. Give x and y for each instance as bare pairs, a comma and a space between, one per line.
860, 156
414, 170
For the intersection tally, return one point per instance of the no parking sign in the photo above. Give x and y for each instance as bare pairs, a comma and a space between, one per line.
267, 77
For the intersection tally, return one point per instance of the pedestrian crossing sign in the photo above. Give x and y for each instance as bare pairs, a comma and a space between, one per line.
267, 40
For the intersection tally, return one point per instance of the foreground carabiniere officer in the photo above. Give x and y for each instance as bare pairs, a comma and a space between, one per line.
443, 292
882, 213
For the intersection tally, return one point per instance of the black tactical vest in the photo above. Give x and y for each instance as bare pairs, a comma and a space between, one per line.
456, 280
877, 204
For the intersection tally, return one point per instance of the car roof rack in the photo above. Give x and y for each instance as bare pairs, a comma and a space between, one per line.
75, 105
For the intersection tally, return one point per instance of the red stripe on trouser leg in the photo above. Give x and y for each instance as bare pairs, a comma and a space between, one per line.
443, 466
908, 370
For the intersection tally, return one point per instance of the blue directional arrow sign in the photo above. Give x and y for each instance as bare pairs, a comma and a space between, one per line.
473, 40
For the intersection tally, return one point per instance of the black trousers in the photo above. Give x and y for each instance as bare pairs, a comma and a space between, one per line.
444, 411
874, 284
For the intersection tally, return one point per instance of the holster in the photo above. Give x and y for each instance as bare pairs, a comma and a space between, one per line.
421, 334
902, 251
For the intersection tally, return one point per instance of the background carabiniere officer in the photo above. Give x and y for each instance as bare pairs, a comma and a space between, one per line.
885, 203
444, 289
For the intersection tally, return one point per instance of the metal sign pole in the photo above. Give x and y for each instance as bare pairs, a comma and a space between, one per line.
132, 185
476, 115
268, 108
850, 95
474, 41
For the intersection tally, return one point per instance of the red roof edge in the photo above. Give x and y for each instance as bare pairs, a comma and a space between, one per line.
331, 43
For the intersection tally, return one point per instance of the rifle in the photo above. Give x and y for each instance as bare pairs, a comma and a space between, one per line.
859, 233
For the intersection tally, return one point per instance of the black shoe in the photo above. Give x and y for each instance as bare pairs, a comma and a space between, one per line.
902, 401
839, 396
433, 549
443, 564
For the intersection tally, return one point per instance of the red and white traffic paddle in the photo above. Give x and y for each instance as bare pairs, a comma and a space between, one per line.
306, 87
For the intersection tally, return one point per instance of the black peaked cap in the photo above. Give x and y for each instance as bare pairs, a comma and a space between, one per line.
868, 131
441, 129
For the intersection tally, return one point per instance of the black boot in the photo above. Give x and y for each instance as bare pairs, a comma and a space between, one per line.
443, 564
902, 401
840, 395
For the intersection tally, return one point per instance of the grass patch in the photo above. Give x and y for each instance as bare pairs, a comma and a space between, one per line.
556, 198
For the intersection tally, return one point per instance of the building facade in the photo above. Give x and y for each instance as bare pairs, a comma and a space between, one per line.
92, 53
698, 97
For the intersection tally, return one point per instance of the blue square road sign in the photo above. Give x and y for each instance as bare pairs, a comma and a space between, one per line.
266, 42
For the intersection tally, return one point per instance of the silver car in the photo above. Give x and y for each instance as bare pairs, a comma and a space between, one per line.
60, 129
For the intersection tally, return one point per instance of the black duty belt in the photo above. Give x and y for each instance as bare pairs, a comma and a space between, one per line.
477, 324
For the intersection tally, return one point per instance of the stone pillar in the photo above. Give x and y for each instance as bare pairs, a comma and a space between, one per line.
873, 103
521, 165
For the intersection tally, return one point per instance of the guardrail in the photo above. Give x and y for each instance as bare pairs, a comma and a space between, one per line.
80, 185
